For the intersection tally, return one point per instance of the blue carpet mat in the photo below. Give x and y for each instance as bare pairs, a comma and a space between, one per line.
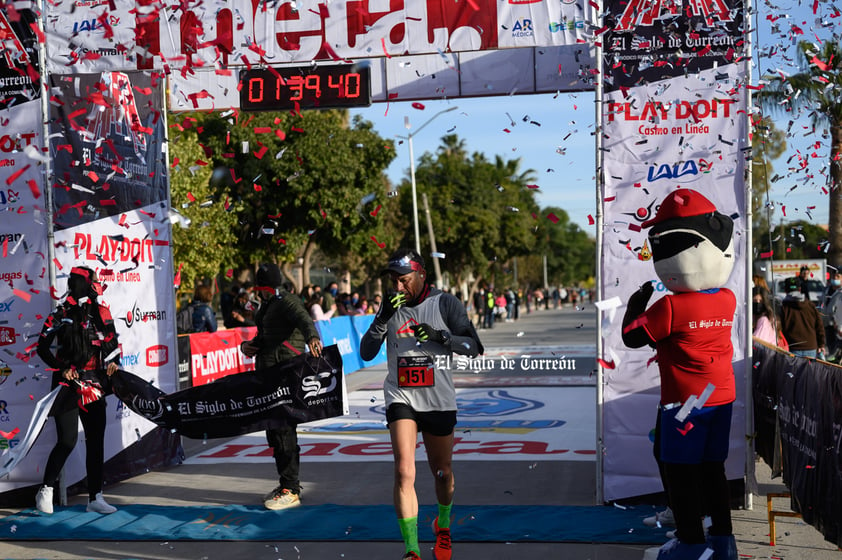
332, 523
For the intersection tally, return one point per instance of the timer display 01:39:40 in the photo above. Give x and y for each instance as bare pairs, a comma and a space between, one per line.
311, 87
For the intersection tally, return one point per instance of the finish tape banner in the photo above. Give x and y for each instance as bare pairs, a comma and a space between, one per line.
798, 413
300, 390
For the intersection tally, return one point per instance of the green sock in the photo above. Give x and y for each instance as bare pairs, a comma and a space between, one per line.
444, 516
409, 532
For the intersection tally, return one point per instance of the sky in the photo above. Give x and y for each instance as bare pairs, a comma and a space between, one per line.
561, 150
549, 133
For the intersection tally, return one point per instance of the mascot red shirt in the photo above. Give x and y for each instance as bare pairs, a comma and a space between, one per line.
692, 334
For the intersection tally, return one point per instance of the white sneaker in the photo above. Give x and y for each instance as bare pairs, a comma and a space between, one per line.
44, 499
661, 518
99, 505
282, 499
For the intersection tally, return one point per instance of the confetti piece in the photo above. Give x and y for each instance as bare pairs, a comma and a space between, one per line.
22, 295
9, 435
687, 427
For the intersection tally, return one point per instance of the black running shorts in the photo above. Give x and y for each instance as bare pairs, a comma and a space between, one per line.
436, 422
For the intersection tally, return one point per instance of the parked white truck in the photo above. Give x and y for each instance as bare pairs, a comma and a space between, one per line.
778, 271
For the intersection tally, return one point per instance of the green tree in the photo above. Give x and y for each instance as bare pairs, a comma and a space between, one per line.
817, 88
571, 252
768, 143
482, 211
302, 181
794, 240
203, 235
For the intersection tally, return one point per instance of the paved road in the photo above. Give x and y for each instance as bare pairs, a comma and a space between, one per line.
545, 334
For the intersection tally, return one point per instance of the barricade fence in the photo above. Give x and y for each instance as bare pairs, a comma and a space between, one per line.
798, 432
206, 357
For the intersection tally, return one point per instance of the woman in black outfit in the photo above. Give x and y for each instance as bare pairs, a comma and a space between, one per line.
86, 356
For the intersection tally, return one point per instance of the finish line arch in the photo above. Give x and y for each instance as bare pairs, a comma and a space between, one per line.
670, 82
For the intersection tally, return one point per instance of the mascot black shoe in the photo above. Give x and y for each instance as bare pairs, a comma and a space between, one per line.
690, 328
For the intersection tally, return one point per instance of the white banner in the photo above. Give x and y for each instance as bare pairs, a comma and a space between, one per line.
91, 35
423, 76
130, 254
24, 277
686, 131
418, 50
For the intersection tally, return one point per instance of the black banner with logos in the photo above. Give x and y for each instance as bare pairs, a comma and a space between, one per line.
299, 390
798, 413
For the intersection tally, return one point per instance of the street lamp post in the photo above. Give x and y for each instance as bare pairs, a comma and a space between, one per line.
409, 136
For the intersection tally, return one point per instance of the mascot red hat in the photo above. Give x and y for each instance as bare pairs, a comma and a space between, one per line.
682, 203
692, 243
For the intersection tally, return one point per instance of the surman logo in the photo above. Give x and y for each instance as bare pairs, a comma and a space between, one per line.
313, 386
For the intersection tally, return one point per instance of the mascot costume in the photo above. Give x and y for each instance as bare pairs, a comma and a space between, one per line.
692, 250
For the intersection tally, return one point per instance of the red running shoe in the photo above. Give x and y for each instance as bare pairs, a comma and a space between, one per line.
442, 550
411, 556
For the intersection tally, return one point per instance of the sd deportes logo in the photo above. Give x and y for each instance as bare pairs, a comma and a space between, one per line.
314, 385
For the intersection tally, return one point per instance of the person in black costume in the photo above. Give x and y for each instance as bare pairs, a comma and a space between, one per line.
86, 355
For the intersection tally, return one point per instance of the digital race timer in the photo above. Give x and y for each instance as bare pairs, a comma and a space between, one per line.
311, 87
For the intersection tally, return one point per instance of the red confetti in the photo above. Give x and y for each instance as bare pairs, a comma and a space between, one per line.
419, 106
606, 365
381, 245
591, 221
9, 435
33, 187
552, 217
375, 211
687, 427
22, 295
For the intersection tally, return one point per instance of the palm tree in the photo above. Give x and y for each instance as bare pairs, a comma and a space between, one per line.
817, 88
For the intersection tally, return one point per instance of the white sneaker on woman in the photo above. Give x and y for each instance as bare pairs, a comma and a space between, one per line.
99, 505
44, 499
